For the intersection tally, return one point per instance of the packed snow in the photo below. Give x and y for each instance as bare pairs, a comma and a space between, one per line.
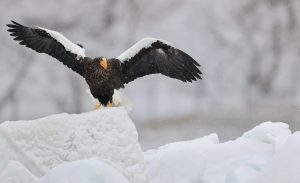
83, 171
133, 50
284, 165
15, 172
102, 146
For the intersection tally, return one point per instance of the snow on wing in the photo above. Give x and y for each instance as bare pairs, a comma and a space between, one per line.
49, 42
137, 47
151, 56
69, 45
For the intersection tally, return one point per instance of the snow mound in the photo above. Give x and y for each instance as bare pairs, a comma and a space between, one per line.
15, 172
176, 162
285, 164
269, 133
83, 171
40, 145
267, 150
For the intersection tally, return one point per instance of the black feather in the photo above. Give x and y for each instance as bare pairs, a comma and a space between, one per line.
42, 42
164, 59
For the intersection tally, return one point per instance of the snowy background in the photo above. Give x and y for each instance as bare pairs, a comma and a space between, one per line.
249, 52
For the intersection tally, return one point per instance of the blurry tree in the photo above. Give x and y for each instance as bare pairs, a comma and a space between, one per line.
269, 29
10, 97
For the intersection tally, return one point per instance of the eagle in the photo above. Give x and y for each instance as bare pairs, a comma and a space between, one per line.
103, 75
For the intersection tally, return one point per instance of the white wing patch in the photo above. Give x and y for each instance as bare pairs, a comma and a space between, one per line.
137, 47
69, 45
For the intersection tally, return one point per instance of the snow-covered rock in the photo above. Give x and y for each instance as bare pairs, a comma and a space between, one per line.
40, 145
178, 162
267, 153
83, 171
270, 133
15, 172
284, 166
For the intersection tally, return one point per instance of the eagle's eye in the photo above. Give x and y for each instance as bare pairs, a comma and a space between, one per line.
103, 63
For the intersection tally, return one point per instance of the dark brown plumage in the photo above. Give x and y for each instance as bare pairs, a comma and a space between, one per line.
148, 56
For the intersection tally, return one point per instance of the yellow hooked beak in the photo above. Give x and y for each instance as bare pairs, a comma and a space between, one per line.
103, 63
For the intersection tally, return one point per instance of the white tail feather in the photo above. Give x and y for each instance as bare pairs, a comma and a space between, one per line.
118, 100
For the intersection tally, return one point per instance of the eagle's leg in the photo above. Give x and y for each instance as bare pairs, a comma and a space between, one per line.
106, 100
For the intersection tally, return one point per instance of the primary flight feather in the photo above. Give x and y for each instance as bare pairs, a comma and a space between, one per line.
148, 56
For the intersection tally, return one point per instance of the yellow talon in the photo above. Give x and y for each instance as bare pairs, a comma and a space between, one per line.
98, 106
109, 104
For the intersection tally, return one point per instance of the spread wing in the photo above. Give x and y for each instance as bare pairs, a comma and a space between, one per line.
50, 42
151, 56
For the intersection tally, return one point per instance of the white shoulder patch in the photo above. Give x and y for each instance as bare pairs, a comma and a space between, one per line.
137, 47
69, 45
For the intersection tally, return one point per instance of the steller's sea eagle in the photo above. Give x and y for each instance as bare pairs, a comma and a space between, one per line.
148, 56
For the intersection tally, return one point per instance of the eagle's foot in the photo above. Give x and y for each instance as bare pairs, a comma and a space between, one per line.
109, 104
98, 106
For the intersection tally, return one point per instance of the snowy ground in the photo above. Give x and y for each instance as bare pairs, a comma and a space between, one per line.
101, 146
